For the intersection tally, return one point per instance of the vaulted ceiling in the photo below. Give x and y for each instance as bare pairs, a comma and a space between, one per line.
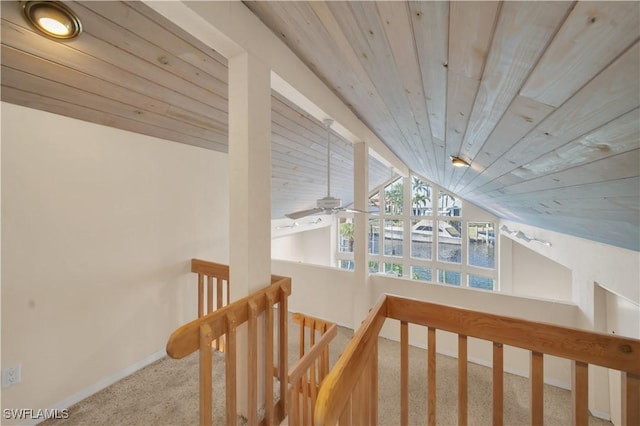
541, 98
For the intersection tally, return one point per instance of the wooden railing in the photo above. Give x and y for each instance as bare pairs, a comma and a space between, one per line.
210, 271
306, 376
202, 332
349, 395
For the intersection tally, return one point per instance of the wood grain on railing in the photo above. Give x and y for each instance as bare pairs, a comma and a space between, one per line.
308, 373
339, 399
498, 384
334, 399
211, 270
224, 322
593, 348
536, 379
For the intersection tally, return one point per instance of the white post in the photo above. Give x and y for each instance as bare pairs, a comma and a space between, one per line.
249, 192
361, 292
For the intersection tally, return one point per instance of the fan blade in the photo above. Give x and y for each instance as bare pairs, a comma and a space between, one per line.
360, 211
303, 213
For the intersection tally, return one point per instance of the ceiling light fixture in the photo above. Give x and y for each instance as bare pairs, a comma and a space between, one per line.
52, 18
458, 162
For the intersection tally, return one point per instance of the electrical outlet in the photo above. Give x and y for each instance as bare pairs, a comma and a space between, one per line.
11, 376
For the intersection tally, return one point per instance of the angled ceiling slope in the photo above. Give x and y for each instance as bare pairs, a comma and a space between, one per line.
542, 98
134, 70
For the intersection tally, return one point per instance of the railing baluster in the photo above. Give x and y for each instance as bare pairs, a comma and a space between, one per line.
268, 385
209, 294
206, 337
219, 340
498, 384
404, 373
252, 367
230, 369
374, 385
462, 379
630, 399
536, 377
200, 295
431, 372
302, 337
295, 402
579, 392
305, 397
282, 350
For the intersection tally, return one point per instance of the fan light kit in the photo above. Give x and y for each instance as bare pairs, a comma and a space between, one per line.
328, 204
52, 18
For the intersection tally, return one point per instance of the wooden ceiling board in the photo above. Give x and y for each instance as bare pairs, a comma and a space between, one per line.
56, 106
612, 93
400, 39
605, 29
542, 98
364, 30
468, 50
618, 136
523, 31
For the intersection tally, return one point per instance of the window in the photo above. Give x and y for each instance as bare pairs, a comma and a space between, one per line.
421, 273
421, 238
393, 269
346, 234
374, 236
393, 237
374, 203
420, 197
346, 264
448, 205
394, 198
449, 241
421, 233
484, 283
481, 245
449, 277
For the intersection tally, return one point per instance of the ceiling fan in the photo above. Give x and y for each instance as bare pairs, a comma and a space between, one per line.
328, 204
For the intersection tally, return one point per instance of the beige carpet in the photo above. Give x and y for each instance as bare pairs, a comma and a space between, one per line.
166, 392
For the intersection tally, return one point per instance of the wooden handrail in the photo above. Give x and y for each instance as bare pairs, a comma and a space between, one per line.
201, 333
335, 392
185, 340
341, 399
303, 364
605, 350
307, 375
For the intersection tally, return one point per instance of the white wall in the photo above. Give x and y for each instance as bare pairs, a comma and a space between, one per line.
326, 293
537, 276
615, 269
310, 244
99, 226
320, 291
557, 371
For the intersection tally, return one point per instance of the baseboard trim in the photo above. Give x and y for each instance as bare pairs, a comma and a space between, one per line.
601, 415
98, 386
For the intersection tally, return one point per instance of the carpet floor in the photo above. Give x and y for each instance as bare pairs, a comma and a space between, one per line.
166, 392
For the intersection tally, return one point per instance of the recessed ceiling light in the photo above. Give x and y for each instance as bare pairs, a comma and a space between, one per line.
52, 18
458, 162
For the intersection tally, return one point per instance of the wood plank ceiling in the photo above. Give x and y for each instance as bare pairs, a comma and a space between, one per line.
134, 70
542, 98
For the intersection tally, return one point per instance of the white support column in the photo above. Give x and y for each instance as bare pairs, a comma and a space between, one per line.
361, 291
250, 175
249, 197
407, 200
